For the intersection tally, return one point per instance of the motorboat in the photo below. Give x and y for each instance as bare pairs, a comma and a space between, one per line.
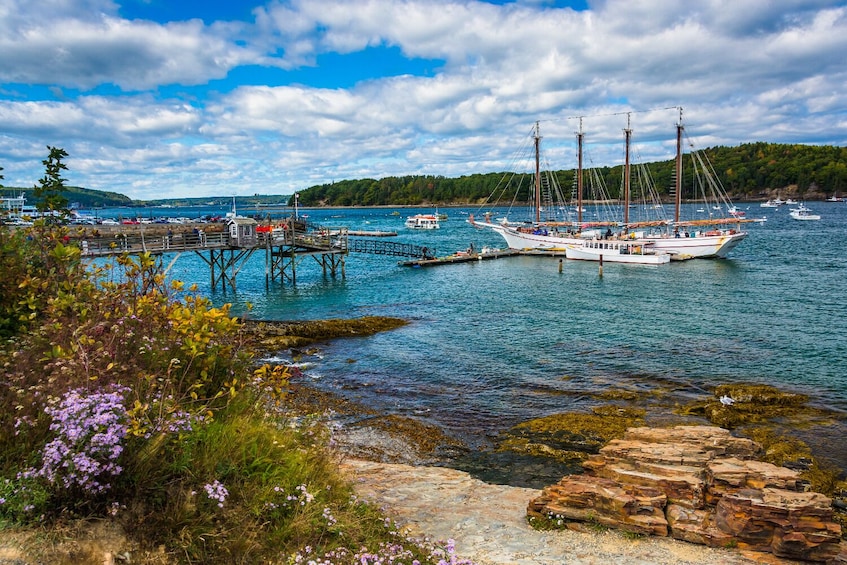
423, 222
616, 251
802, 212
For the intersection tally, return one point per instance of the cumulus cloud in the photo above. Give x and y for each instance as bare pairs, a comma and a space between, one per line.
759, 70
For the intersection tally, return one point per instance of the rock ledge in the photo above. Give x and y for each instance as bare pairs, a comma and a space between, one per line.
699, 484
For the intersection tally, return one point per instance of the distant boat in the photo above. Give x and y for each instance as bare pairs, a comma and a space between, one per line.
736, 212
803, 213
616, 251
770, 204
423, 222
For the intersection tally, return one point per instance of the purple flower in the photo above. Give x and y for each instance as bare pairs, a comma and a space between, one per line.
216, 491
89, 430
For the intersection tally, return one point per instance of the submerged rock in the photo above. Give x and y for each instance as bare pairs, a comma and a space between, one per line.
743, 404
275, 336
570, 436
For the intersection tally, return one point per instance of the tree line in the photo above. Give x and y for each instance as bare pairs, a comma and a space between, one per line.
748, 171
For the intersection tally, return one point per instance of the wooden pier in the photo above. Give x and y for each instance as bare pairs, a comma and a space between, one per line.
226, 251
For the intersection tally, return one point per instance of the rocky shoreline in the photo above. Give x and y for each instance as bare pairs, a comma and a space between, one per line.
400, 463
489, 525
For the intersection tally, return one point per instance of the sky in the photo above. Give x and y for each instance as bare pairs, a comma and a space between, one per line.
181, 98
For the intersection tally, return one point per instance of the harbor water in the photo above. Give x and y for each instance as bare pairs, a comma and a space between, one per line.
494, 343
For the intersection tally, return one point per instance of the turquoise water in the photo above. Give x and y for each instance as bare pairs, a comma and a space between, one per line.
494, 343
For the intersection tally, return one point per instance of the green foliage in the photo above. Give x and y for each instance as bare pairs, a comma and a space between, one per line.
37, 265
746, 171
276, 497
51, 186
84, 197
210, 467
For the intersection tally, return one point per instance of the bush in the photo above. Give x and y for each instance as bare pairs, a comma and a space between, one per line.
130, 398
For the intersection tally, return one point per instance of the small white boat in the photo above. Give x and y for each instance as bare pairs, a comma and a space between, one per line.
615, 251
803, 213
736, 212
423, 222
770, 204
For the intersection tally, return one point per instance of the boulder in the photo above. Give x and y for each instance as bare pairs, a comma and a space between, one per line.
603, 501
731, 475
699, 484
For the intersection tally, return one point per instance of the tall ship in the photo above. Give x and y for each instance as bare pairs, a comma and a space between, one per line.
714, 234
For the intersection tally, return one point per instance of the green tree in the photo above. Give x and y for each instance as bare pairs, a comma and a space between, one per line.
51, 186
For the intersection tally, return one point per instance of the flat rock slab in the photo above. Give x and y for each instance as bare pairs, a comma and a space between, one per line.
699, 484
490, 527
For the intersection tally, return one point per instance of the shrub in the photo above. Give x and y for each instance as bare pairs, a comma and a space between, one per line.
129, 397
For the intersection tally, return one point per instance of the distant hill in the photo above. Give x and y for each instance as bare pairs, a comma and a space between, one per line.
749, 171
83, 197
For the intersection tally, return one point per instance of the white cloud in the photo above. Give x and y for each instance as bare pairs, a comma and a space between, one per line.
761, 70
85, 52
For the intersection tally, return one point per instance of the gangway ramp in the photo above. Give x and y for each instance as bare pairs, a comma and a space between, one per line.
394, 248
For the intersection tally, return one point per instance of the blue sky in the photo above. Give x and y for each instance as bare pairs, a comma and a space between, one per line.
164, 98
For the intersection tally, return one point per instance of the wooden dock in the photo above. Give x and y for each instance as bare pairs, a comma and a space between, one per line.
359, 233
461, 258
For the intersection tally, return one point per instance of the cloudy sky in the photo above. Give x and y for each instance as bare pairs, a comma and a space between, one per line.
176, 98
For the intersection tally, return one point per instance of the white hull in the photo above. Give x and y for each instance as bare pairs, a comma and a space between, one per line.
699, 246
615, 253
423, 222
803, 213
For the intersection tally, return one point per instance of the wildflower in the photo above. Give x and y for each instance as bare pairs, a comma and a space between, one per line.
216, 491
89, 431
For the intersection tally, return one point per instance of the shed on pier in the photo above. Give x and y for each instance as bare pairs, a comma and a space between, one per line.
242, 231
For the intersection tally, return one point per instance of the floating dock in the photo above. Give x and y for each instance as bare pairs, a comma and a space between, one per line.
461, 257
360, 233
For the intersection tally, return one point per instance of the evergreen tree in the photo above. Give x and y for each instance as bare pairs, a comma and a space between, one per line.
51, 186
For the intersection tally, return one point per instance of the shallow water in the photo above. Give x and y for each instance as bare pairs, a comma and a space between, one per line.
493, 343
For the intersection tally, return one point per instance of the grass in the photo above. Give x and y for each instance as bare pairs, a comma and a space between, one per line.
130, 401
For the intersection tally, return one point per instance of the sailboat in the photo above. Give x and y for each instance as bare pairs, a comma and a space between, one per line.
681, 239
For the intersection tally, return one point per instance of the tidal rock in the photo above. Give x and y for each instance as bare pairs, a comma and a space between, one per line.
731, 475
593, 499
795, 525
699, 484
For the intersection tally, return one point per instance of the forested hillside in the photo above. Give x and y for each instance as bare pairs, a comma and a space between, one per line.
749, 171
84, 197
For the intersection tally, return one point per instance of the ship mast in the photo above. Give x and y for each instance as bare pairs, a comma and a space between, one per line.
626, 172
537, 173
579, 139
678, 181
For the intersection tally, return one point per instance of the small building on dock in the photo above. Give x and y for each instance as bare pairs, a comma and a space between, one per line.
242, 231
